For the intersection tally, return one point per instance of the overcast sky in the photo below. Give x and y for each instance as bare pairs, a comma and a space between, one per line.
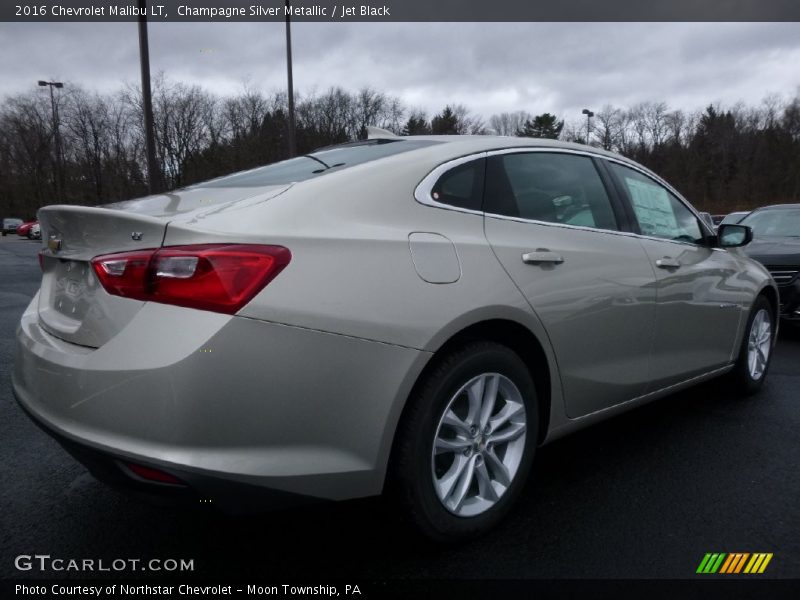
489, 67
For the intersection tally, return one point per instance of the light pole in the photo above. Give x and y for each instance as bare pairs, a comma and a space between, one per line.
291, 137
589, 114
153, 175
56, 137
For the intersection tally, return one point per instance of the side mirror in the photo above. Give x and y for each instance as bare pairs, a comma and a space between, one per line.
733, 236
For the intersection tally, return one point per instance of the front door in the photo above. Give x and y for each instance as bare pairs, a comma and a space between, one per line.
553, 227
700, 293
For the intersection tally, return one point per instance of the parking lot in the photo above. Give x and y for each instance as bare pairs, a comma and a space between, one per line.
645, 495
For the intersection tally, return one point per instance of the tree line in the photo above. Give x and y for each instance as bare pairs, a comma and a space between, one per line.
88, 148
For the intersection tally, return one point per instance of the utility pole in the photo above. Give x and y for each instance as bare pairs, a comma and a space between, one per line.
59, 174
291, 136
153, 173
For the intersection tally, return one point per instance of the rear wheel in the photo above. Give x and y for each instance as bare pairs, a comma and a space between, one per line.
755, 352
466, 445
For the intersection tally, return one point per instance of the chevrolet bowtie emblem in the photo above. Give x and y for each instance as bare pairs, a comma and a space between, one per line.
54, 243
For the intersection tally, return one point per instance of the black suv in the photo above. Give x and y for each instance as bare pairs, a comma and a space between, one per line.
776, 245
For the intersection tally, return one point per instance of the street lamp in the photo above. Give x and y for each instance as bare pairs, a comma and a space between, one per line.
589, 114
56, 136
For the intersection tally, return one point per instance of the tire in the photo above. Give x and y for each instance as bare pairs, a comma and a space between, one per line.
755, 352
432, 488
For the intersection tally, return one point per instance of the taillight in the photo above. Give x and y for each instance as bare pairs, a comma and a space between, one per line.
217, 277
151, 474
41, 259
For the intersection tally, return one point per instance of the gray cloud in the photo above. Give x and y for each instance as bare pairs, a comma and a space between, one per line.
489, 67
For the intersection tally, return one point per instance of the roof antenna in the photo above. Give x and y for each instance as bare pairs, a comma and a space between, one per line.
376, 133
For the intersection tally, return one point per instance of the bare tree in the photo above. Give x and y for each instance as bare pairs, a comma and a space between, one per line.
509, 123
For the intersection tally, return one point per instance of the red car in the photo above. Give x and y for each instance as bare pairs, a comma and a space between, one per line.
24, 230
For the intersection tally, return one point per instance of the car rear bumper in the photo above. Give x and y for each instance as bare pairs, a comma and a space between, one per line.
236, 408
196, 489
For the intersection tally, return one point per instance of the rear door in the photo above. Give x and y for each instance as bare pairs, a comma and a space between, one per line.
701, 292
556, 230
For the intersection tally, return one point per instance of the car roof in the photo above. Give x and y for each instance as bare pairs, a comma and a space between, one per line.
777, 206
496, 142
454, 146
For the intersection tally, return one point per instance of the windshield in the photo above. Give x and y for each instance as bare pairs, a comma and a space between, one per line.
317, 163
12, 222
775, 222
733, 218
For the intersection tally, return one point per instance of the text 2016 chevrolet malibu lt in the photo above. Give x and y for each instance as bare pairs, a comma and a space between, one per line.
414, 315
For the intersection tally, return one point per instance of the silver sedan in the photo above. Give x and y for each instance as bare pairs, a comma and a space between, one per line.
413, 315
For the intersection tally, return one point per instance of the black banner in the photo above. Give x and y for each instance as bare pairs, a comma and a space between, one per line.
402, 10
418, 589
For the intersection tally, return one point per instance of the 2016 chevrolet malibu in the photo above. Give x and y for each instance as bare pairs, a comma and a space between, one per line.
411, 314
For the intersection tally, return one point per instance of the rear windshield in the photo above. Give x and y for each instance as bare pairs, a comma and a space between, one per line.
317, 163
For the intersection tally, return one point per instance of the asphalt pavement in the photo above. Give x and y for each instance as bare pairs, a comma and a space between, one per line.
644, 495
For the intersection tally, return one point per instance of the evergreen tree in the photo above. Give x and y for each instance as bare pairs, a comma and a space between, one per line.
542, 126
417, 124
445, 123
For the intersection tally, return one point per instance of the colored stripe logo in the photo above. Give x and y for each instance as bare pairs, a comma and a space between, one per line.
736, 562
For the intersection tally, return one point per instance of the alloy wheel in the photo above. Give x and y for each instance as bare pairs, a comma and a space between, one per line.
759, 344
478, 444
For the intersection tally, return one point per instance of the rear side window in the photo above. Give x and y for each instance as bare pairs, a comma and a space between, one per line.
317, 163
461, 186
658, 211
547, 186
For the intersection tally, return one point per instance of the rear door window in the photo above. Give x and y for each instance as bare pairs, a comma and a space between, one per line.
548, 186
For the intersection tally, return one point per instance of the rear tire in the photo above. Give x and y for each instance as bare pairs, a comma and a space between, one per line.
465, 446
755, 352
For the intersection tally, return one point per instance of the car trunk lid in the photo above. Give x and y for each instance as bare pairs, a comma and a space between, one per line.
72, 303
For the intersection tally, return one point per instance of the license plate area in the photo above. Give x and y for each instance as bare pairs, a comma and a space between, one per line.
72, 286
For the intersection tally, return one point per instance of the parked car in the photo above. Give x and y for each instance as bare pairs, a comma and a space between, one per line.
717, 219
414, 315
10, 225
734, 217
24, 229
776, 244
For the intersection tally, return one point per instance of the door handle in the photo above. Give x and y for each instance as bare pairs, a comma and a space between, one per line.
668, 263
542, 256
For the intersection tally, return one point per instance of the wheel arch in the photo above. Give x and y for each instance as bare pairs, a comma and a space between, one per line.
771, 294
503, 331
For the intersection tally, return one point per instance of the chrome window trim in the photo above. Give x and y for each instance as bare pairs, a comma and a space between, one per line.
422, 193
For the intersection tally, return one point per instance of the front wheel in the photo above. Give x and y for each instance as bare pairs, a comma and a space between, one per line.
755, 352
466, 445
